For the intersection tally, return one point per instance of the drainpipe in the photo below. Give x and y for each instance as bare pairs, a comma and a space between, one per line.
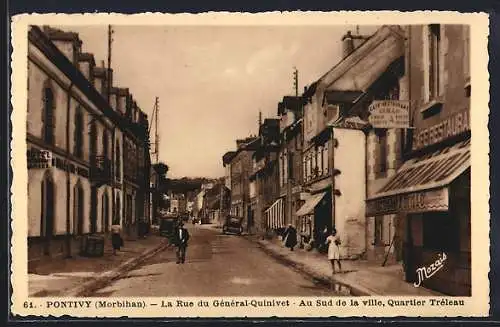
68, 177
332, 147
113, 196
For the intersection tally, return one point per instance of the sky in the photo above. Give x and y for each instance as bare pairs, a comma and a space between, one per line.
212, 81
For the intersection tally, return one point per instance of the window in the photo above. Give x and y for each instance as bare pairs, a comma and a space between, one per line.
105, 144
78, 206
78, 134
118, 161
48, 115
47, 206
379, 231
93, 138
433, 61
466, 51
382, 152
105, 213
440, 231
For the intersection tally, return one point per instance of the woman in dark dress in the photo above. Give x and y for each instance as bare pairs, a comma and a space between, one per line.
290, 237
116, 238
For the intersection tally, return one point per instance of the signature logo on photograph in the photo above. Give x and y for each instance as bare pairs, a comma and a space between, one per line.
424, 273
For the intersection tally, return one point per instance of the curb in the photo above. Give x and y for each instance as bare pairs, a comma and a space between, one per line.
354, 290
90, 287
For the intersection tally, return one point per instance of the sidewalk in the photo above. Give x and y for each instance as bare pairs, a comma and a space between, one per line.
59, 276
360, 276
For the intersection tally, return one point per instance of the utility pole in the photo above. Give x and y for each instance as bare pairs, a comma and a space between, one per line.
154, 116
108, 74
296, 81
157, 135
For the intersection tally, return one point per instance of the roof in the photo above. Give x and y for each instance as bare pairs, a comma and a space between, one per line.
60, 35
123, 91
310, 90
227, 157
85, 56
38, 38
292, 103
100, 71
334, 97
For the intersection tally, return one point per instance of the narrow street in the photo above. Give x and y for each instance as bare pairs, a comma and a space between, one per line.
216, 265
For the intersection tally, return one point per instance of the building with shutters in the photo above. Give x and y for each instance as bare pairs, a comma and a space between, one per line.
75, 147
290, 156
335, 177
266, 206
241, 167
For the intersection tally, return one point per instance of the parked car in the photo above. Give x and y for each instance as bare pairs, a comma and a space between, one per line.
233, 225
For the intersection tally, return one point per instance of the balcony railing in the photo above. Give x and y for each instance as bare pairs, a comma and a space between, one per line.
100, 170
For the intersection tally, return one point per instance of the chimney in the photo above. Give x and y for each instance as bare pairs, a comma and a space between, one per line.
347, 44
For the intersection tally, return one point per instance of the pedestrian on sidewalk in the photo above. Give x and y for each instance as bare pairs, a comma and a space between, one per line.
181, 242
290, 237
333, 242
116, 238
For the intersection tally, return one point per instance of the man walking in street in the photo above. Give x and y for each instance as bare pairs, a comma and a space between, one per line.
181, 242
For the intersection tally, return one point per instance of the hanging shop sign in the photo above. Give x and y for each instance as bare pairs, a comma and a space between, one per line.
39, 159
431, 200
389, 114
452, 126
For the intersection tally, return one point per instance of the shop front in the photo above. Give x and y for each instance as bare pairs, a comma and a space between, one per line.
314, 216
431, 194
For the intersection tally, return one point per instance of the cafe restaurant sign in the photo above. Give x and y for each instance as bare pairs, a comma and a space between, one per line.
430, 200
389, 114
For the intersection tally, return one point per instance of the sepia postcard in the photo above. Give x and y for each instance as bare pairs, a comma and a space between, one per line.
281, 164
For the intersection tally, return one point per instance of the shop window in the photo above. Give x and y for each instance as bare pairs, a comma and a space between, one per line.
440, 231
78, 134
379, 231
48, 115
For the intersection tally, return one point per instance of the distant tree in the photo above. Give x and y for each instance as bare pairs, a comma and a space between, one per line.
161, 169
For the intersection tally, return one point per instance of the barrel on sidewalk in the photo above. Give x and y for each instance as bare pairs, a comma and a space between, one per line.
92, 246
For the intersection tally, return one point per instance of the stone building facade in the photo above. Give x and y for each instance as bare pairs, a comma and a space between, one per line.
241, 167
290, 156
74, 145
431, 190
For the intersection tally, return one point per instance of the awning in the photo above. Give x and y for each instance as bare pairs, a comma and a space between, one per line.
421, 183
275, 217
310, 204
